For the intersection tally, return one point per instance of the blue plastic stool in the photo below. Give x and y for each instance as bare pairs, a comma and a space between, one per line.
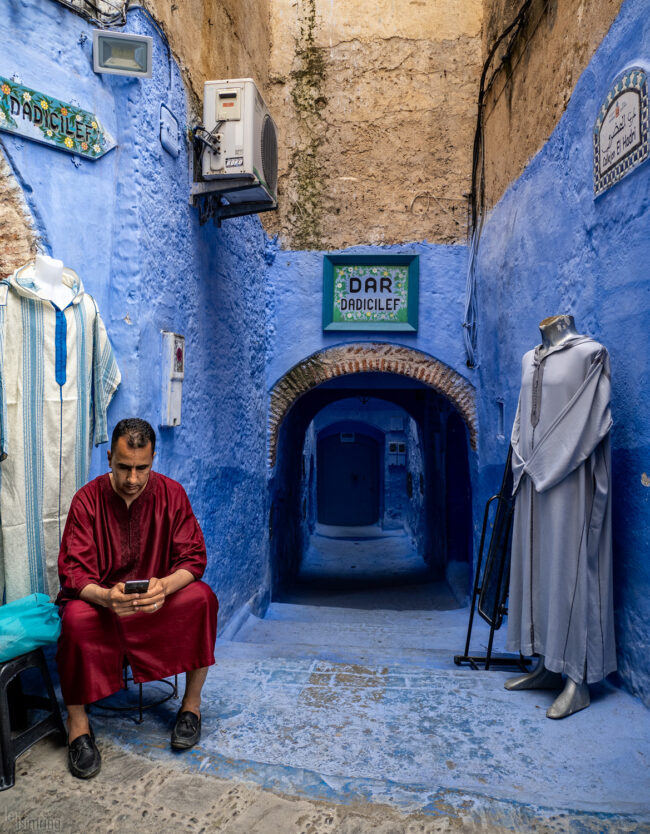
13, 744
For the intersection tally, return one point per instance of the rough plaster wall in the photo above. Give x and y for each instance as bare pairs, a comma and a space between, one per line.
549, 247
18, 238
214, 39
375, 105
124, 224
531, 89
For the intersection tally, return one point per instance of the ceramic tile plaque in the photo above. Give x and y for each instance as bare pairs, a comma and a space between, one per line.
43, 118
366, 292
621, 130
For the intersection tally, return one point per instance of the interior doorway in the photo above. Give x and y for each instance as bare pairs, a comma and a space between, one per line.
348, 466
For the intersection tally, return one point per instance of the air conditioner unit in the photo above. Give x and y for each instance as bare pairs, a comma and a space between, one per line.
240, 157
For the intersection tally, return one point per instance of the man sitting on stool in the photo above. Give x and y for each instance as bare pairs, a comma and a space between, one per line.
132, 523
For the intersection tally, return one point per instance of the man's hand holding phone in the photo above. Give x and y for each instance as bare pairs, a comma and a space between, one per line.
147, 595
131, 597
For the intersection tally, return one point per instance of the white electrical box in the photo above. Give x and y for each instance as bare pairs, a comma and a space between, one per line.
243, 150
169, 134
173, 373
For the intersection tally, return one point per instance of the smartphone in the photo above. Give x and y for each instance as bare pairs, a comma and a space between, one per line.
136, 586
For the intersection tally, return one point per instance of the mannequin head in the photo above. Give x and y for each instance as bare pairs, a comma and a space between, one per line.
49, 271
556, 329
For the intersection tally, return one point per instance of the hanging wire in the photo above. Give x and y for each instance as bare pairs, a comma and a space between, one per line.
477, 194
129, 7
470, 319
107, 14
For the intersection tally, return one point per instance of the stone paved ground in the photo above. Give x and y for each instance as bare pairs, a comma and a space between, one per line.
349, 719
134, 794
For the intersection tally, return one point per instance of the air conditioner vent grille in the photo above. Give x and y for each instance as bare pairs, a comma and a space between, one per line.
270, 154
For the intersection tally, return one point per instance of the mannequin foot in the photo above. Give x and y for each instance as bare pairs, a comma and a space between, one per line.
573, 698
539, 678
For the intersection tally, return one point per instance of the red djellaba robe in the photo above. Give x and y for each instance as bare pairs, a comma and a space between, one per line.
105, 543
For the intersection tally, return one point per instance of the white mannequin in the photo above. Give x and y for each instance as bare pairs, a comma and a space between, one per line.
48, 277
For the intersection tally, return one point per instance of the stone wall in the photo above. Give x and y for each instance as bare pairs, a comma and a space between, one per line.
375, 109
18, 239
532, 77
214, 39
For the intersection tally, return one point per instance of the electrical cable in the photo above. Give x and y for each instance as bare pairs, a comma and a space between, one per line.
478, 134
206, 140
102, 19
477, 193
429, 196
516, 64
161, 32
118, 19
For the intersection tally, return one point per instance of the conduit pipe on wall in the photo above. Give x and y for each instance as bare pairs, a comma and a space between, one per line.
477, 194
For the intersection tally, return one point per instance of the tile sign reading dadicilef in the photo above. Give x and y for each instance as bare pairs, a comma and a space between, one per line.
46, 119
371, 293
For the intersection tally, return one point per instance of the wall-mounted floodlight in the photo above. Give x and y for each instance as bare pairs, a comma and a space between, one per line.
122, 54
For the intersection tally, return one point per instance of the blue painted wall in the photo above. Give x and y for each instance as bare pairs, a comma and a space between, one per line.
124, 224
294, 287
549, 247
294, 332
251, 311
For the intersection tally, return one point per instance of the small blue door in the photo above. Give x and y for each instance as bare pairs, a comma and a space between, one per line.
348, 479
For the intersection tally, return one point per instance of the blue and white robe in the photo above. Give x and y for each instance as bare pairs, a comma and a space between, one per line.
57, 377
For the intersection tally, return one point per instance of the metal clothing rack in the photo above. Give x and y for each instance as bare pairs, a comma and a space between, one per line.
491, 587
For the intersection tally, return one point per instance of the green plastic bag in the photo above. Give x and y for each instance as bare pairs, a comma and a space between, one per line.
26, 624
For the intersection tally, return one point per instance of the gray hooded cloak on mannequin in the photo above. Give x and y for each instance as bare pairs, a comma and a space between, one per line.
561, 600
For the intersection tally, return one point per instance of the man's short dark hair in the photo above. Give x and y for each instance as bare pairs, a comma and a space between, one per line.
138, 434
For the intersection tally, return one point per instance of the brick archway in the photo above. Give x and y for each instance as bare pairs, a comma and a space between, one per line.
363, 357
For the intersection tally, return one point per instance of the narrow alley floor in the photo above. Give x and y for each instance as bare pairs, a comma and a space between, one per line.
342, 711
366, 568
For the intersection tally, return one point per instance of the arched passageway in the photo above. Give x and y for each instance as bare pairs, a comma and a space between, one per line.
373, 450
368, 357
